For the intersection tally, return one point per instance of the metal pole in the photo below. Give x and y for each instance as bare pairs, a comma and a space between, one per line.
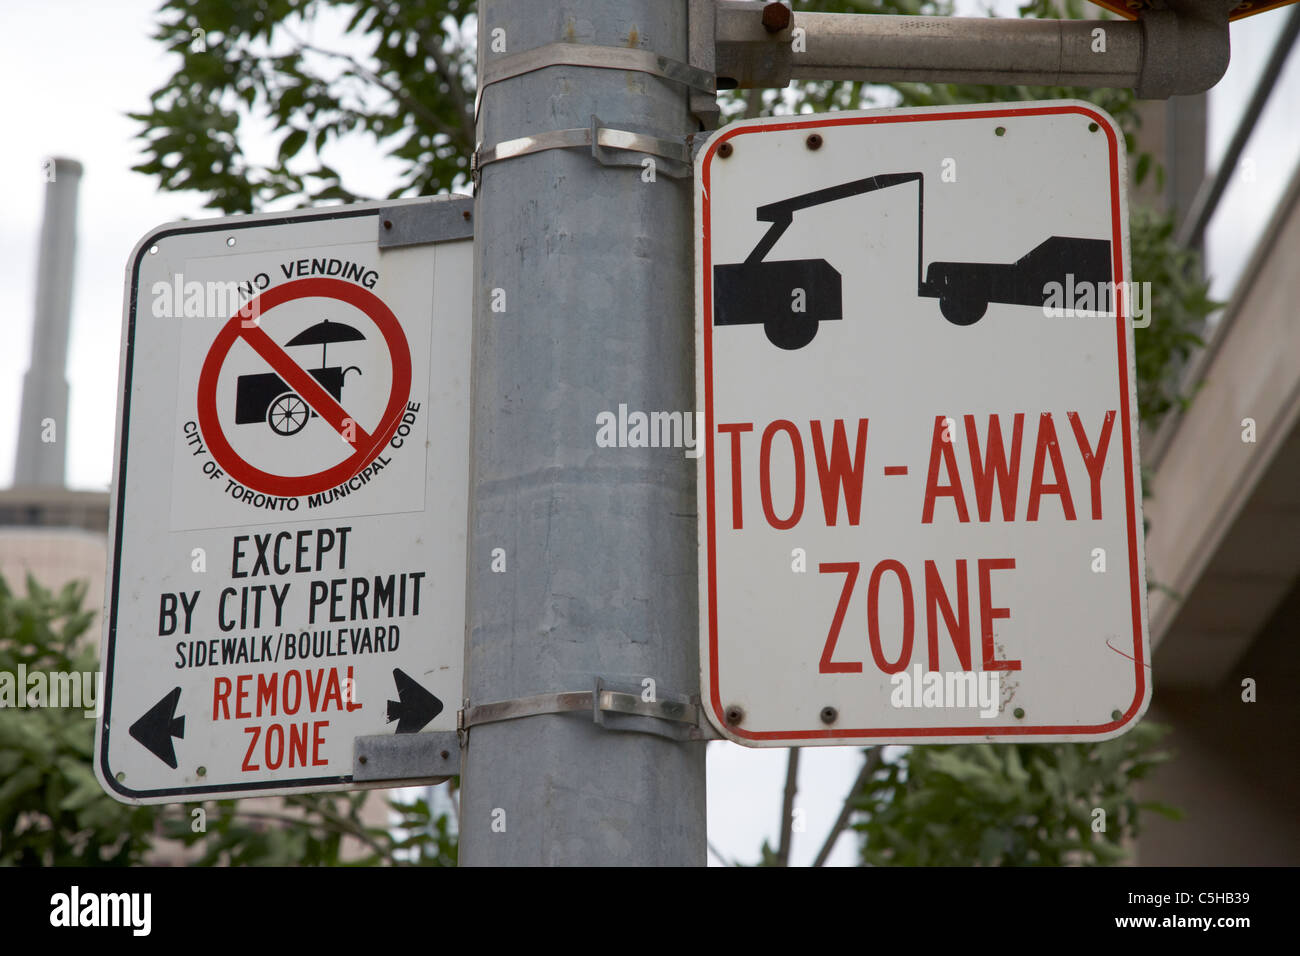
787, 808
1181, 50
967, 50
584, 302
42, 427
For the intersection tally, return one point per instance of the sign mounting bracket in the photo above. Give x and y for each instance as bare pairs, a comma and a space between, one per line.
431, 756
445, 219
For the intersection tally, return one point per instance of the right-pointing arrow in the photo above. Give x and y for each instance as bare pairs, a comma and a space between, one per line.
414, 706
159, 725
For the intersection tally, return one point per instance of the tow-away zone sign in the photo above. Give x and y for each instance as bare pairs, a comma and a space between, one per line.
289, 514
920, 509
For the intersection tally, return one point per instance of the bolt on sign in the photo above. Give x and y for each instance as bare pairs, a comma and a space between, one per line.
289, 515
920, 509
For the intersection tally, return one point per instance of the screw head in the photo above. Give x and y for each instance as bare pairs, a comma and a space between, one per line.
446, 754
361, 759
724, 150
1019, 712
466, 215
734, 714
829, 715
814, 141
776, 17
1115, 715
388, 224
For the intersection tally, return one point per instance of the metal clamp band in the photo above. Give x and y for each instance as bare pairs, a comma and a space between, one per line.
599, 57
613, 706
597, 137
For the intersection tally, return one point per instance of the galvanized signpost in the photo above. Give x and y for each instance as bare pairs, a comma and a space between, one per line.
910, 467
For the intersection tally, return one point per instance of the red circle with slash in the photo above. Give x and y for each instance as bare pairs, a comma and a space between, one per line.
366, 446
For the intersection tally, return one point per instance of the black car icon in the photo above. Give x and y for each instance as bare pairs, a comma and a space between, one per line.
965, 289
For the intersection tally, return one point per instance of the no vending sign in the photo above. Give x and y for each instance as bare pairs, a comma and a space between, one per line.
289, 515
291, 392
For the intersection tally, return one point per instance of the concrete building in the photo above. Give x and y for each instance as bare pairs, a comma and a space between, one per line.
1223, 549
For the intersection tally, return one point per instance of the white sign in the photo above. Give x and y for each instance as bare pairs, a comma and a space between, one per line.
920, 514
289, 515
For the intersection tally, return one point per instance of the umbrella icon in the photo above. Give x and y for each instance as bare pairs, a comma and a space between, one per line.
323, 333
267, 398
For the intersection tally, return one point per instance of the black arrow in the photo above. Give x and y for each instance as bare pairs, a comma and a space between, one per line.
157, 728
414, 706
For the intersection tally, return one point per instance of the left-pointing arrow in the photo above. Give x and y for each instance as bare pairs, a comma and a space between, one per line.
157, 728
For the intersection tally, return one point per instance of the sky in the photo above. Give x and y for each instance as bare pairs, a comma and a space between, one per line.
75, 69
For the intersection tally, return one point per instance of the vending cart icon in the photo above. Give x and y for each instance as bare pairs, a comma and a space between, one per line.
266, 397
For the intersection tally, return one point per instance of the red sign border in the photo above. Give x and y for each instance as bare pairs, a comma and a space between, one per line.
713, 698
400, 390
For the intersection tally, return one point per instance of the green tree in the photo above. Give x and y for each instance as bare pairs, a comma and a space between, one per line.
401, 75
53, 811
1023, 804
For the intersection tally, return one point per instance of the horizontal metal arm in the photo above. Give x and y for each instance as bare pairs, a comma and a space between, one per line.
968, 50
1178, 51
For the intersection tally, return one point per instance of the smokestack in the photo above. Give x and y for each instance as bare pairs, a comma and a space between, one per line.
42, 429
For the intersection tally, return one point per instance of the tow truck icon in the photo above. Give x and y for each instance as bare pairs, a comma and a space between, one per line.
756, 291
